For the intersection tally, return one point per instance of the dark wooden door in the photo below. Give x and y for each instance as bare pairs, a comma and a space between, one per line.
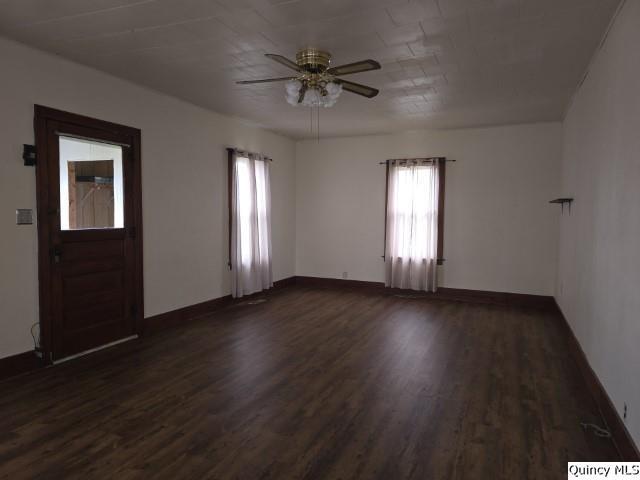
90, 236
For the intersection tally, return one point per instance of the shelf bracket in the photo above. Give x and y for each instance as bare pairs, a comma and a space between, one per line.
562, 202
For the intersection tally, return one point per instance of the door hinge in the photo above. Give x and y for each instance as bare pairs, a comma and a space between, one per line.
132, 232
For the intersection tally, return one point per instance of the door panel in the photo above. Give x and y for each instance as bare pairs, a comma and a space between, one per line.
91, 250
91, 299
82, 251
78, 286
75, 320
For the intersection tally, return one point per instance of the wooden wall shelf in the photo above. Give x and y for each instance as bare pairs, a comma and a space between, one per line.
562, 202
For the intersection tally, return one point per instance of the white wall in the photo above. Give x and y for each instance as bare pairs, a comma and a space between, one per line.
599, 262
500, 231
184, 185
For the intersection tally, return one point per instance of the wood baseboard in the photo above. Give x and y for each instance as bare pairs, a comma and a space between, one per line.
322, 282
27, 361
443, 293
18, 364
181, 315
622, 439
177, 317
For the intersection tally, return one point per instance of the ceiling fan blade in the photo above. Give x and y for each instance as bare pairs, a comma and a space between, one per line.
284, 61
357, 88
356, 67
265, 80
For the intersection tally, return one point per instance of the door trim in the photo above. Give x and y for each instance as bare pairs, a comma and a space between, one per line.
43, 115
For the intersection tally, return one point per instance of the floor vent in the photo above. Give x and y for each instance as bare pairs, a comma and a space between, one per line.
253, 302
409, 295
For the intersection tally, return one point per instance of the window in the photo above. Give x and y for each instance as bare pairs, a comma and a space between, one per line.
414, 221
249, 223
91, 185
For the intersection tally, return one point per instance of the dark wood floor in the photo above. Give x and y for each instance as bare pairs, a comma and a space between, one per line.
313, 384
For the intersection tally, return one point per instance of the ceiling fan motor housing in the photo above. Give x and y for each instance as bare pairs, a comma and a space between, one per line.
313, 60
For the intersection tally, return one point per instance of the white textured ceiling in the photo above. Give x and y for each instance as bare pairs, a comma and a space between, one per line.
446, 63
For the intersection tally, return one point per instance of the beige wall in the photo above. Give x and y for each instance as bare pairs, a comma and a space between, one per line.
500, 231
599, 267
184, 185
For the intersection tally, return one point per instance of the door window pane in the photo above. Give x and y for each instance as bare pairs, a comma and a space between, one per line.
91, 185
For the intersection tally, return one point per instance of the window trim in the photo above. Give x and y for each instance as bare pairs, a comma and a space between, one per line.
442, 168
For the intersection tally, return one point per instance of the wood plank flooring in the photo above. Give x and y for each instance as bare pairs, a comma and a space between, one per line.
313, 384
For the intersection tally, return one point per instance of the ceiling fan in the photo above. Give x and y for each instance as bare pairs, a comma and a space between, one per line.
317, 84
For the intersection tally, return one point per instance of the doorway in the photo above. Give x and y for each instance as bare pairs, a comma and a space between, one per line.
88, 178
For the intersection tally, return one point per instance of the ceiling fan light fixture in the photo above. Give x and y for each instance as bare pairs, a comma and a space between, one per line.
293, 87
334, 89
312, 98
292, 91
329, 103
316, 94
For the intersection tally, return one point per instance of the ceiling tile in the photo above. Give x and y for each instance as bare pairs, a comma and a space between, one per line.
416, 10
400, 35
445, 63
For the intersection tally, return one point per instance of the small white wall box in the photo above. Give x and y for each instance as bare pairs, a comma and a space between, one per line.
24, 216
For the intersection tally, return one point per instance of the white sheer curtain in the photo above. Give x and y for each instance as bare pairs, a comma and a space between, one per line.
250, 224
412, 225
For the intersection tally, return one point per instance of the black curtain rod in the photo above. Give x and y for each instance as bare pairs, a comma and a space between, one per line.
237, 150
416, 159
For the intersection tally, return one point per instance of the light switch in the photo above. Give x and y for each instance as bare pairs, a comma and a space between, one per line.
24, 216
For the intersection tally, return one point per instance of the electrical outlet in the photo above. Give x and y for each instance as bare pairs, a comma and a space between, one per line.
345, 275
624, 413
